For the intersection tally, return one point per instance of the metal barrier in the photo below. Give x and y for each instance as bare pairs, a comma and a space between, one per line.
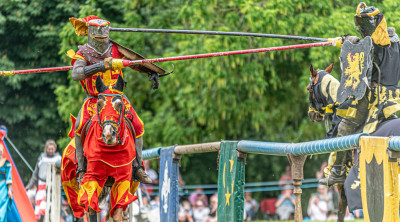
231, 178
299, 149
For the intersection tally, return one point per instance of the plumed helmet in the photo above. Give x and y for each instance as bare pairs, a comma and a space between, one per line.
82, 25
367, 19
96, 29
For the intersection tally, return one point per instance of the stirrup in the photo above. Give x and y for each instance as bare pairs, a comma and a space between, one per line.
337, 177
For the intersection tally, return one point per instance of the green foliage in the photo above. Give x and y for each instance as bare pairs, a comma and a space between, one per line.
29, 36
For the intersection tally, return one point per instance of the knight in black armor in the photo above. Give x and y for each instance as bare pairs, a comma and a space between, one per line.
382, 96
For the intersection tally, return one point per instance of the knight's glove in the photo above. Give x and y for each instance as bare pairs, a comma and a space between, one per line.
113, 64
336, 41
352, 39
154, 77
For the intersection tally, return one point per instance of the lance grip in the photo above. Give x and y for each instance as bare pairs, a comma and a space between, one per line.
6, 73
113, 64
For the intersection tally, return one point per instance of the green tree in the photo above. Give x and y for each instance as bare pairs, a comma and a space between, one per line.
29, 33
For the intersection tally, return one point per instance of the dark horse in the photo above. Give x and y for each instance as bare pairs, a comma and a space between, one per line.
322, 91
109, 147
323, 106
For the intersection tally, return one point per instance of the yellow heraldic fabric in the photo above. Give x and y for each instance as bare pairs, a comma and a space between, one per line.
134, 186
381, 35
376, 147
88, 189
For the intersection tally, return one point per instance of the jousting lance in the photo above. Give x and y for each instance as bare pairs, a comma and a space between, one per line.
175, 58
199, 32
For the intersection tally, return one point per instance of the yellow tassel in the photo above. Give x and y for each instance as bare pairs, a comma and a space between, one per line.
71, 54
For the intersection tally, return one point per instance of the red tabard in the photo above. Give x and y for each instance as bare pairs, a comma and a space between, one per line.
114, 156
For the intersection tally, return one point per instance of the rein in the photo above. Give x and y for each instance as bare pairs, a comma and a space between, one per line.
116, 128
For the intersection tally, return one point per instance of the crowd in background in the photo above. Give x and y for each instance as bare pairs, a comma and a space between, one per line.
199, 207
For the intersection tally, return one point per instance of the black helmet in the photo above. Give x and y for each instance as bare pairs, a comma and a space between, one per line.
367, 19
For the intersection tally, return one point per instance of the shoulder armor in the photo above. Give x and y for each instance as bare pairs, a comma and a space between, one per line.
392, 34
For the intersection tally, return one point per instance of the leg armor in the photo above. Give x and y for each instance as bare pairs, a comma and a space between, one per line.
79, 147
346, 127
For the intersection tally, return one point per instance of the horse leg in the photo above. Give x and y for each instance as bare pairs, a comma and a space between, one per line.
342, 204
92, 215
117, 216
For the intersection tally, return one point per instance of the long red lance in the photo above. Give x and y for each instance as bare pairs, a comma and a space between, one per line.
185, 57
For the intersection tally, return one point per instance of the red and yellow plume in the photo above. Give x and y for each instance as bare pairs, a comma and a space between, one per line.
81, 24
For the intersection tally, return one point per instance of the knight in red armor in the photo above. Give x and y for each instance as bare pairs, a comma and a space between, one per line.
103, 57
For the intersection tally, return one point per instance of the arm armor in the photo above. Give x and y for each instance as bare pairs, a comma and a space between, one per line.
82, 71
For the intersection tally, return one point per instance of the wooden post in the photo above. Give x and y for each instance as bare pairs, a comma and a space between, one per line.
297, 164
53, 194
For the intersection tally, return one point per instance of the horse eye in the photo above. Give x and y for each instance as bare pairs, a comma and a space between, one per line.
100, 104
118, 105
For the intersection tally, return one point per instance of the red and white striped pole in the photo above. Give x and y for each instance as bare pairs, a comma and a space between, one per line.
175, 58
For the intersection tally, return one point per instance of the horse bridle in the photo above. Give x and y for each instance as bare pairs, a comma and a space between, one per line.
116, 128
312, 97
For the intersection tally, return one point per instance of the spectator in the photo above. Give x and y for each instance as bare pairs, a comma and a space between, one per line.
212, 216
318, 204
186, 207
286, 179
5, 185
200, 211
250, 206
154, 213
149, 188
320, 174
151, 172
285, 204
198, 194
155, 203
38, 178
182, 217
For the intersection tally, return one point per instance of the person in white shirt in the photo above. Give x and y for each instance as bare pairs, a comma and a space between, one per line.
318, 204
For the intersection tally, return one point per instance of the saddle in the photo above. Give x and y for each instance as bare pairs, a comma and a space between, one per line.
110, 180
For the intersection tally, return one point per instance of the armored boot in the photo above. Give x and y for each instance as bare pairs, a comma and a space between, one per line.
337, 174
336, 177
141, 176
138, 173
